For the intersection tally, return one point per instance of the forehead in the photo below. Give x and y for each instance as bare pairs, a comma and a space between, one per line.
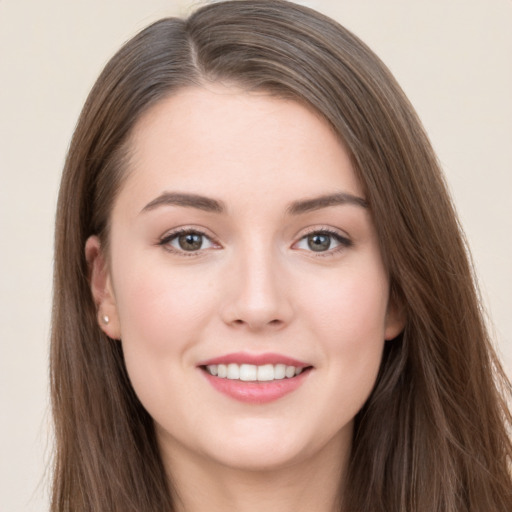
226, 143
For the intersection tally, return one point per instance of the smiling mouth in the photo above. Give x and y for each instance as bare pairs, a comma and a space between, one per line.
254, 373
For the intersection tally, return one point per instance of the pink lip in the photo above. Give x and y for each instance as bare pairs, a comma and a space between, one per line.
256, 359
255, 392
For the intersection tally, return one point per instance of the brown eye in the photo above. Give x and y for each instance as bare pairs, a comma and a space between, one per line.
323, 242
319, 242
187, 241
190, 241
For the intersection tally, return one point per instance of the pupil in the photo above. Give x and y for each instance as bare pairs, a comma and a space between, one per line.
319, 242
190, 242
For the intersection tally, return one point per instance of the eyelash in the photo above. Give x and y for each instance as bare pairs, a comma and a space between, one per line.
165, 241
169, 237
343, 241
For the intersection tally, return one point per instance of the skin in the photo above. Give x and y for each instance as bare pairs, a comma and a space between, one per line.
255, 285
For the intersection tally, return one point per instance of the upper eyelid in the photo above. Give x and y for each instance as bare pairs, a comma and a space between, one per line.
187, 229
165, 242
323, 229
344, 240
333, 234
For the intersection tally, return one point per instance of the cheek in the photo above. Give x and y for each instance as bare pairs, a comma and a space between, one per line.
355, 345
158, 306
162, 313
350, 305
348, 315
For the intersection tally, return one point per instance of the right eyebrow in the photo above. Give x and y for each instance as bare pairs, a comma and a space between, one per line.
187, 200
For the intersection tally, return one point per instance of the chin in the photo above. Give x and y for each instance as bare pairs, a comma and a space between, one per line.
264, 446
258, 457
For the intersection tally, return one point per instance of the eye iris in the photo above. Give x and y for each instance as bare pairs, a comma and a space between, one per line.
319, 242
190, 241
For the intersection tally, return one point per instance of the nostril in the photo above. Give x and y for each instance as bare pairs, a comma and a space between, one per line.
272, 323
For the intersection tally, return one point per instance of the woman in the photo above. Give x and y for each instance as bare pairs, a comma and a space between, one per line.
262, 295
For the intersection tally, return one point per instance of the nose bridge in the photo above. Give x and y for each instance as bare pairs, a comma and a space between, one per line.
260, 298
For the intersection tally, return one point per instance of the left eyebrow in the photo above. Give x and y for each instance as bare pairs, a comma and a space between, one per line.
317, 203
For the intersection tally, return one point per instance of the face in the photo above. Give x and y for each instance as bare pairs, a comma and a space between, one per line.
244, 280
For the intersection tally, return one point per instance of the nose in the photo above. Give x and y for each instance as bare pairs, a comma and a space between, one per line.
258, 297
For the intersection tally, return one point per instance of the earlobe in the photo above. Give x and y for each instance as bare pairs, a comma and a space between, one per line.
101, 288
395, 321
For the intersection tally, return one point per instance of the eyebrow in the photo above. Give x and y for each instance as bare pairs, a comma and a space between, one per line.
212, 205
317, 203
187, 200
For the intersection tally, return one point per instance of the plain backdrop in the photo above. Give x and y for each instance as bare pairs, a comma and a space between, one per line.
452, 57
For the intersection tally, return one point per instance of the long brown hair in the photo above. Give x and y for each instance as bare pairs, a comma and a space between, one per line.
433, 434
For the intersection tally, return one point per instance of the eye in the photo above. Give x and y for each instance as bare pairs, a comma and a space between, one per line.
187, 240
323, 241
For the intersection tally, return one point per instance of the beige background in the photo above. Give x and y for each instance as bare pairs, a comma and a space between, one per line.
452, 57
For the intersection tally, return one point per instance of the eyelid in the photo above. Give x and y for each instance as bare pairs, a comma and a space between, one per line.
343, 240
172, 234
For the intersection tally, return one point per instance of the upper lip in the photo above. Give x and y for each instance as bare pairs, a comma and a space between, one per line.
255, 359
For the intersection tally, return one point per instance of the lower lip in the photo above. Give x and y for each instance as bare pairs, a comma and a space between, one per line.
256, 392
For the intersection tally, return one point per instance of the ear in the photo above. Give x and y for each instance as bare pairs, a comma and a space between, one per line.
101, 288
395, 319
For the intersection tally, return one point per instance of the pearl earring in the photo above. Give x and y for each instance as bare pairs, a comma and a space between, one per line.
105, 319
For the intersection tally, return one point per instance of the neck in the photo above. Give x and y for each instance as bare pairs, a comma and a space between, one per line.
202, 485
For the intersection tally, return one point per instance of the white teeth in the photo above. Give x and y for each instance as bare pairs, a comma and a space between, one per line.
222, 370
279, 371
251, 372
290, 371
266, 372
233, 371
248, 372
